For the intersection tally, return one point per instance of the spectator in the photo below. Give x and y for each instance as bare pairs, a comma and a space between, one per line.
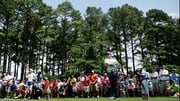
6, 83
54, 88
73, 85
81, 79
120, 77
39, 75
122, 89
131, 88
164, 79
30, 78
154, 80
65, 85
60, 88
86, 87
174, 76
22, 90
13, 89
173, 89
47, 90
93, 77
105, 80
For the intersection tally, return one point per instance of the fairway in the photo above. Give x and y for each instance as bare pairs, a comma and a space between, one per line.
101, 99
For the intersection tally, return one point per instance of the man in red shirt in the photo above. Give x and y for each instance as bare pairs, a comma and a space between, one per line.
47, 90
86, 87
93, 77
54, 88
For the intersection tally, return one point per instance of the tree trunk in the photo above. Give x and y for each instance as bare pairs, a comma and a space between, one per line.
15, 69
5, 58
120, 54
0, 53
132, 50
24, 51
125, 45
43, 56
141, 47
9, 63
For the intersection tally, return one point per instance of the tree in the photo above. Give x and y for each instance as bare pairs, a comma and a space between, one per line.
6, 22
28, 21
124, 22
69, 21
157, 37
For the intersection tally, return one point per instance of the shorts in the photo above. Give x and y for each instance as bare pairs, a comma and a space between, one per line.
74, 89
47, 90
86, 89
30, 85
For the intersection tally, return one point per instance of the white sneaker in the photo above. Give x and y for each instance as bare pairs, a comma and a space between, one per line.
112, 98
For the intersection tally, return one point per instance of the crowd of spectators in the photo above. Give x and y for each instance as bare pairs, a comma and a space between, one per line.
93, 84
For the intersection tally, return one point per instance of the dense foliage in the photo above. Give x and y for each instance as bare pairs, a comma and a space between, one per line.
61, 41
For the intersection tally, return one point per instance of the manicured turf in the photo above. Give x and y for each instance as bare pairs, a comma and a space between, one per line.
100, 99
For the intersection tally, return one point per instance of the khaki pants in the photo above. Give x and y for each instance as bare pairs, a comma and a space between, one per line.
163, 87
47, 90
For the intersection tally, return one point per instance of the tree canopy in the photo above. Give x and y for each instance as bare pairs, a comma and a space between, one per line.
62, 41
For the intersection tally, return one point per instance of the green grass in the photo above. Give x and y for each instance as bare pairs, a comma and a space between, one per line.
101, 99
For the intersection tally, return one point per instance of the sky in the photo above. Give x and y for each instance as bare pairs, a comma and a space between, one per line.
171, 7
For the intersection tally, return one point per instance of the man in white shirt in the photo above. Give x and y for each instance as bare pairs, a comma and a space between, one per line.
154, 79
111, 64
164, 79
30, 78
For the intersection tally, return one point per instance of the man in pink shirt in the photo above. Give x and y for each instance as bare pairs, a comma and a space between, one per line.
105, 84
105, 80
